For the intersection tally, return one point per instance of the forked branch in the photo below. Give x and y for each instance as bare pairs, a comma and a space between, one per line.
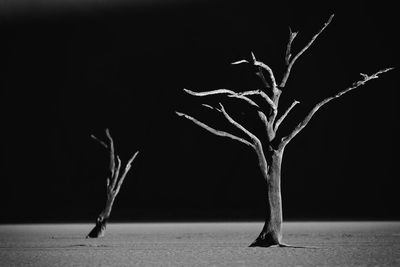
305, 121
260, 65
291, 62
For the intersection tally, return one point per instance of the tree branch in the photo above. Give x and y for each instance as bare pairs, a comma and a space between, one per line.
276, 92
128, 165
116, 174
212, 92
259, 73
248, 100
268, 126
263, 118
261, 114
214, 131
265, 67
240, 62
303, 123
238, 125
260, 65
127, 168
223, 91
268, 122
112, 153
208, 106
292, 35
291, 63
280, 120
100, 141
262, 94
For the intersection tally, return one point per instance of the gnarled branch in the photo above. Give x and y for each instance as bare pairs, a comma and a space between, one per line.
238, 125
214, 131
305, 121
291, 62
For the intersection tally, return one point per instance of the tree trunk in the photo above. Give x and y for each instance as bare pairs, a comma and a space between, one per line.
271, 233
101, 222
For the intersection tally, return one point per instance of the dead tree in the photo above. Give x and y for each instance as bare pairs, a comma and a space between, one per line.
114, 183
270, 149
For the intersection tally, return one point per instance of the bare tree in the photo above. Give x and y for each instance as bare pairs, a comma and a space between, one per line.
114, 182
270, 150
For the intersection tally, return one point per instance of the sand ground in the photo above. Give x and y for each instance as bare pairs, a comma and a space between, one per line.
200, 244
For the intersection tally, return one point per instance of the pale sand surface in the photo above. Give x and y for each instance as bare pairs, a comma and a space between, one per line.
200, 244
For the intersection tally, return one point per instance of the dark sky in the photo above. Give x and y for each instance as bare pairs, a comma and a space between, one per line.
72, 69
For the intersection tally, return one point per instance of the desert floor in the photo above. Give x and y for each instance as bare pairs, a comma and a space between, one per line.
200, 244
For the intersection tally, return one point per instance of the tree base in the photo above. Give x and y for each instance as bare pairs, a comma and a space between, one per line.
265, 242
99, 230
268, 238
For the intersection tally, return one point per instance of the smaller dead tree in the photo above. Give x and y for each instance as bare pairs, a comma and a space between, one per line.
114, 182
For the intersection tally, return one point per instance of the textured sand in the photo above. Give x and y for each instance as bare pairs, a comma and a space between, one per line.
200, 244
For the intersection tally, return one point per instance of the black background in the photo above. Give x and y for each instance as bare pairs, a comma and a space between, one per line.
70, 70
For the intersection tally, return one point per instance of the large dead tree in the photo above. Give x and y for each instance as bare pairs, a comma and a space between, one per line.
114, 183
270, 148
